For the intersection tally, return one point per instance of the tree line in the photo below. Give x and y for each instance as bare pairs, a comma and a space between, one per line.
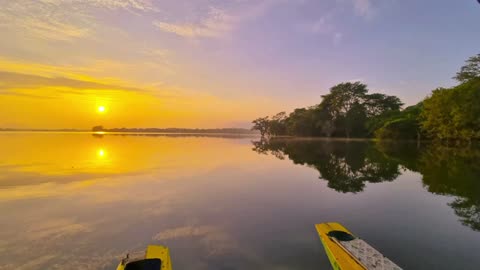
350, 111
174, 130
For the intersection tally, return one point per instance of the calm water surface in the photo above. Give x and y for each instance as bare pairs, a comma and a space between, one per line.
77, 201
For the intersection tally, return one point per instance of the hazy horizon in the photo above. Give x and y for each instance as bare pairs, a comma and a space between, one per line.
109, 128
210, 63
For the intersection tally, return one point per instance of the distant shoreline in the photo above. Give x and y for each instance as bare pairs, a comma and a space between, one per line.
115, 131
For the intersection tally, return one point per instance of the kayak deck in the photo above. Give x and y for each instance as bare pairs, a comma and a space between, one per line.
348, 252
154, 258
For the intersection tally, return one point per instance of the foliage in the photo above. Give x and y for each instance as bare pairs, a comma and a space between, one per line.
344, 112
470, 70
97, 128
262, 125
348, 110
404, 125
453, 114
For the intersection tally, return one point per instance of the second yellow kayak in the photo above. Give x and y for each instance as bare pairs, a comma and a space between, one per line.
348, 252
154, 258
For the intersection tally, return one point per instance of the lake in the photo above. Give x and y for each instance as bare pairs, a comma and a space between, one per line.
82, 201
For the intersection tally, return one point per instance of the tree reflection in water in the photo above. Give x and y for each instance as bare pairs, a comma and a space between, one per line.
349, 165
451, 171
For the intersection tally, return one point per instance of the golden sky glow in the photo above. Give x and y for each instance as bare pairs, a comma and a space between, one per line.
185, 63
73, 69
45, 96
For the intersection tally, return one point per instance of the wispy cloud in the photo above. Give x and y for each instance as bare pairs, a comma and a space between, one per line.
41, 20
54, 29
10, 80
144, 5
325, 26
62, 20
337, 38
363, 8
219, 21
215, 24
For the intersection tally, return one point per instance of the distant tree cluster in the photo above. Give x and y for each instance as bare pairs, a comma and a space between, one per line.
173, 130
350, 111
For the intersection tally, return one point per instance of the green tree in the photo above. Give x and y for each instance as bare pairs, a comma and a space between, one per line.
404, 125
300, 122
277, 125
453, 114
261, 124
343, 98
378, 104
347, 111
470, 70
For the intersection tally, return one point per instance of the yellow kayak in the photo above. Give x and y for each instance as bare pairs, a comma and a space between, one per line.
348, 252
154, 258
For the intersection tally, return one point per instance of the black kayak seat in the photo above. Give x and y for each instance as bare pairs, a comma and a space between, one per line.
146, 264
341, 236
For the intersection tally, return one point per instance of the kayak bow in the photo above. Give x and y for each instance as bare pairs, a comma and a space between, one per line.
348, 252
154, 258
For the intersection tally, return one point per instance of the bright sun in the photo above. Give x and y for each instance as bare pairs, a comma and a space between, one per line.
101, 109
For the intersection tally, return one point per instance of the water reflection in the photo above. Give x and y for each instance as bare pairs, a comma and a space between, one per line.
74, 201
346, 166
349, 165
453, 171
101, 153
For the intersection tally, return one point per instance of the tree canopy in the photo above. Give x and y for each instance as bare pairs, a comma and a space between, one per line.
454, 113
344, 112
349, 110
470, 70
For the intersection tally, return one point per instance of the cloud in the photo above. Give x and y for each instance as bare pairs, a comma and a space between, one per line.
42, 20
337, 38
363, 8
10, 81
215, 24
324, 26
143, 5
61, 20
219, 21
54, 29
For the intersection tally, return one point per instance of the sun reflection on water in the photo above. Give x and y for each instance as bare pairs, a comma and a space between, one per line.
101, 153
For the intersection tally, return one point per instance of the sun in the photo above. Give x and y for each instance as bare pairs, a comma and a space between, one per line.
101, 109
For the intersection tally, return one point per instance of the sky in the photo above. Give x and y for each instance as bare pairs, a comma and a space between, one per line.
218, 63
